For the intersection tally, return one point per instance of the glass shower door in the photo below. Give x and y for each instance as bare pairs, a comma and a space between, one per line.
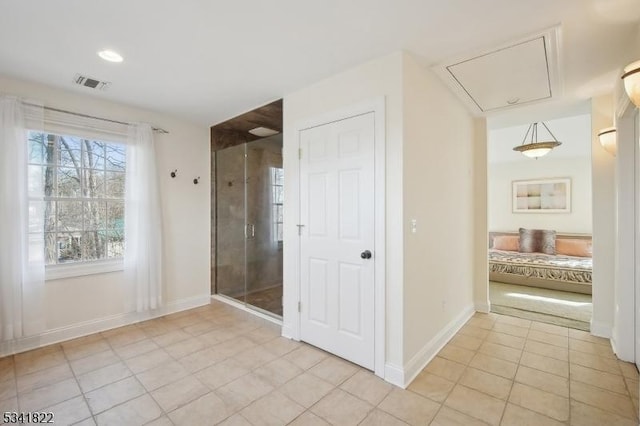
264, 201
230, 222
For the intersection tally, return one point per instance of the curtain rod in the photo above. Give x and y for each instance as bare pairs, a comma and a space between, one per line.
155, 129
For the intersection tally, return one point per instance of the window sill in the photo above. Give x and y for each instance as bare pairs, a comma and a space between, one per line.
57, 272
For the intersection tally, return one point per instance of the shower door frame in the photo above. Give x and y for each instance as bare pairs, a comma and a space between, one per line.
244, 305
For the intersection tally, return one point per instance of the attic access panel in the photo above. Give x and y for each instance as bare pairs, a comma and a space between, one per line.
514, 75
521, 72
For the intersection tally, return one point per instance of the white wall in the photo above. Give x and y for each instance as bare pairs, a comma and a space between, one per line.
501, 175
85, 304
381, 77
438, 190
480, 214
604, 219
623, 330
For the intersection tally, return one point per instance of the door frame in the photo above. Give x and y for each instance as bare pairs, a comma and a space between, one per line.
623, 333
291, 316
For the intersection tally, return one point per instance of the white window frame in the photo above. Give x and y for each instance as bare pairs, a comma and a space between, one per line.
89, 267
274, 219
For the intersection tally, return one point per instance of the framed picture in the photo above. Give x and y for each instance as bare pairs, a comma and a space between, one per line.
542, 196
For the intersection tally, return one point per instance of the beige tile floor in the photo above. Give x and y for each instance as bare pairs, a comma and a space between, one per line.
218, 365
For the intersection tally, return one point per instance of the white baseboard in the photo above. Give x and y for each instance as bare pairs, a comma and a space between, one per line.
98, 325
243, 307
600, 329
433, 346
484, 307
287, 332
402, 377
394, 375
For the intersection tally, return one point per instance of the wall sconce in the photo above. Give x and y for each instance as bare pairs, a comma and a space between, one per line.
631, 78
608, 140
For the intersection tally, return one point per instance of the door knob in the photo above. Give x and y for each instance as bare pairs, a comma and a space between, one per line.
365, 254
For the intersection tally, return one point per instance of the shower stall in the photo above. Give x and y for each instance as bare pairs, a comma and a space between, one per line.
248, 224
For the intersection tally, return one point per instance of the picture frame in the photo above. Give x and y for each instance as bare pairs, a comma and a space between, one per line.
551, 195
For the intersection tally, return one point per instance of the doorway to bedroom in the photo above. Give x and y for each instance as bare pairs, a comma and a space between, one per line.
540, 222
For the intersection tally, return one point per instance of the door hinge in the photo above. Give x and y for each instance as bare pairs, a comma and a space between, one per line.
300, 153
299, 306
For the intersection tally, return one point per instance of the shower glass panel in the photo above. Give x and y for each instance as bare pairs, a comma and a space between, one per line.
249, 200
230, 220
264, 222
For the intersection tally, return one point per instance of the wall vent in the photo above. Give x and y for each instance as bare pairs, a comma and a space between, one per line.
90, 82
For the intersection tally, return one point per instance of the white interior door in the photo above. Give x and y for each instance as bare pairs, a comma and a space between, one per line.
337, 238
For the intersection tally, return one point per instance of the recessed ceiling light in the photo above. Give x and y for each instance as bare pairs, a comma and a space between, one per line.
263, 132
110, 55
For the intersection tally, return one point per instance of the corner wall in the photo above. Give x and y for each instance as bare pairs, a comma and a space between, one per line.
439, 197
86, 304
481, 220
604, 219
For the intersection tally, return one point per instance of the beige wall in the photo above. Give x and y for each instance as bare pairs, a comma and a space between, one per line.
480, 214
501, 176
381, 77
438, 190
85, 301
604, 217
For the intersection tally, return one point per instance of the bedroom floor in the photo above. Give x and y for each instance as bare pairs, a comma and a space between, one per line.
562, 308
218, 365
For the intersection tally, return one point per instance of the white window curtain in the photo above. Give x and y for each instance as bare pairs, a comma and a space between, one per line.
143, 221
21, 225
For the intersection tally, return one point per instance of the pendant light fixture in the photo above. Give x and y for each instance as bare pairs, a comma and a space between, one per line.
535, 149
631, 78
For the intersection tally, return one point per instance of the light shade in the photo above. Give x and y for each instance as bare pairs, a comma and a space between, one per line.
110, 55
608, 139
535, 149
263, 132
631, 78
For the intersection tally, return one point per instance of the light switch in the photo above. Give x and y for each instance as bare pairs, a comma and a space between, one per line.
414, 226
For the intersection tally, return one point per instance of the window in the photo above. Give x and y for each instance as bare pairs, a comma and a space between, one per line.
277, 199
83, 182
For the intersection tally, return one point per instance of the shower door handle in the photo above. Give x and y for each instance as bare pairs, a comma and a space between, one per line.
250, 231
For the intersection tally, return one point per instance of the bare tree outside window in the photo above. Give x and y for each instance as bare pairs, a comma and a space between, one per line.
83, 207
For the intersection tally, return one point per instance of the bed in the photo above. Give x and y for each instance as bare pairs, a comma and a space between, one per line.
554, 271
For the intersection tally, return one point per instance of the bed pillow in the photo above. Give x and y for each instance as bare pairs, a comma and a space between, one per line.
506, 242
574, 247
537, 241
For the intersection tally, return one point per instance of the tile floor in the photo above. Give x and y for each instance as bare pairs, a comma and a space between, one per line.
218, 365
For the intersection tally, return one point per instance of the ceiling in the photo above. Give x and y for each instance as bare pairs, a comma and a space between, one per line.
208, 61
